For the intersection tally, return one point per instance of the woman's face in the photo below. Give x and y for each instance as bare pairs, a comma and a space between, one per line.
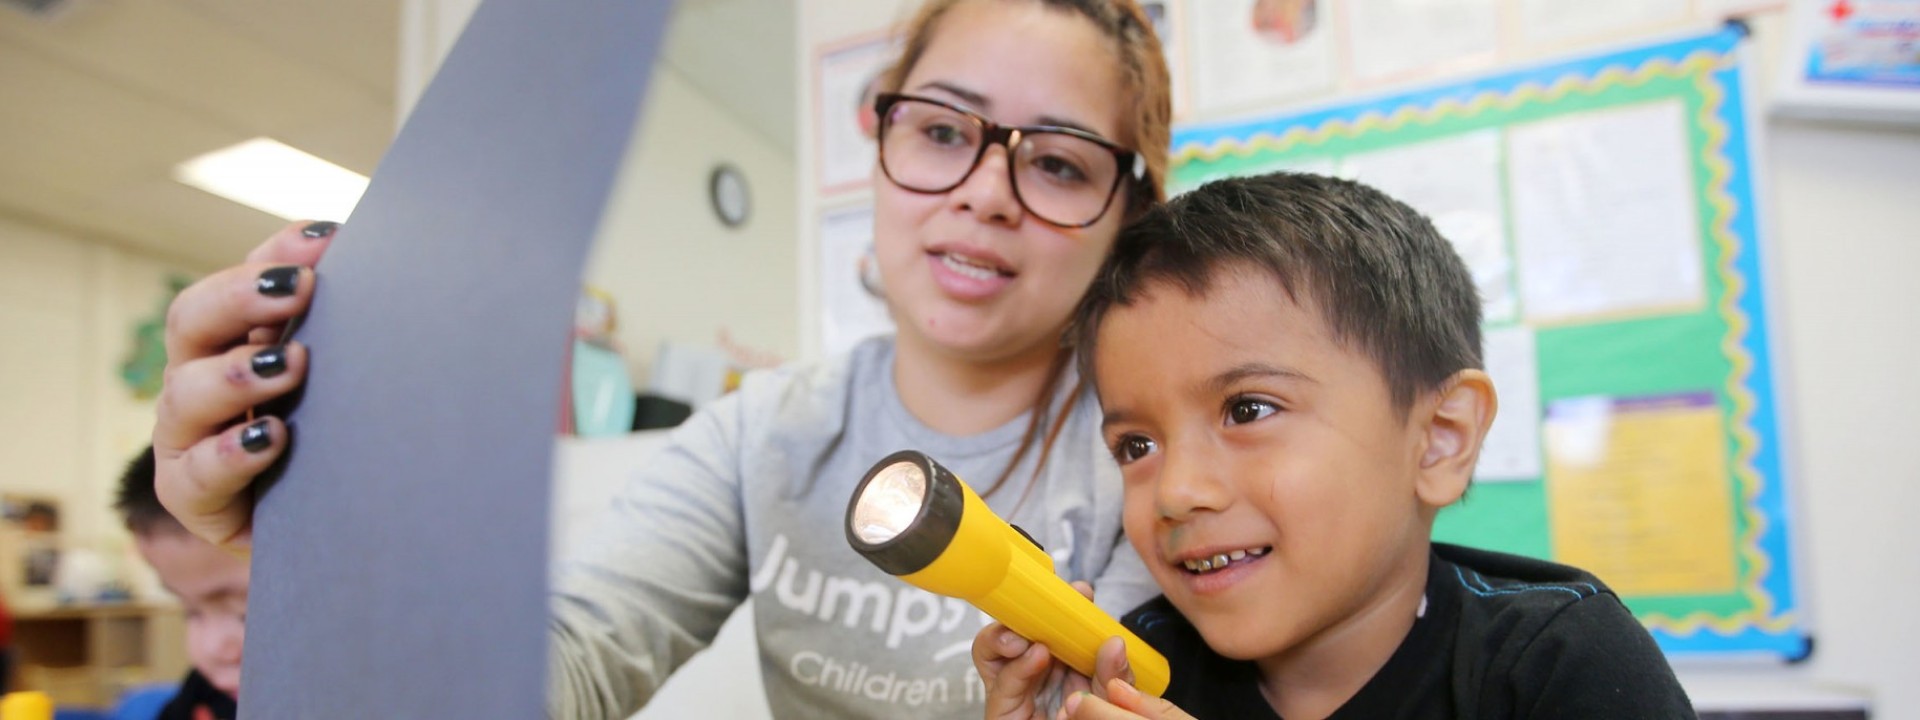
970, 272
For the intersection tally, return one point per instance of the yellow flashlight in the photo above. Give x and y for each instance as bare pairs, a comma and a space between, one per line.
914, 519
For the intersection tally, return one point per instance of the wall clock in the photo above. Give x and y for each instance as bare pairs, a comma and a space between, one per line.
727, 189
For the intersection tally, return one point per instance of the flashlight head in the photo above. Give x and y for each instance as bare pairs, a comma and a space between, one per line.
905, 512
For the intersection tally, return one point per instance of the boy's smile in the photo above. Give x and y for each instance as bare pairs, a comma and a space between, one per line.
1262, 458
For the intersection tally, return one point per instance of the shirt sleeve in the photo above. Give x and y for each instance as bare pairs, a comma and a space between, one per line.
1594, 660
661, 572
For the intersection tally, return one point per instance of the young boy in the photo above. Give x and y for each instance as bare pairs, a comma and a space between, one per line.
212, 586
1290, 370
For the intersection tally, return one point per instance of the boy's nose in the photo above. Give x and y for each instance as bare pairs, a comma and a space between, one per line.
1190, 483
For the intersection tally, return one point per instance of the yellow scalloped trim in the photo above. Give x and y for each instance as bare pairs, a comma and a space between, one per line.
1761, 614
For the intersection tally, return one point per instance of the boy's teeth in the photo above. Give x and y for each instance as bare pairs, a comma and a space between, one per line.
1220, 560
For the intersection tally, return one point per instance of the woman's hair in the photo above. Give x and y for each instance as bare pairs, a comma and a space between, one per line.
1146, 129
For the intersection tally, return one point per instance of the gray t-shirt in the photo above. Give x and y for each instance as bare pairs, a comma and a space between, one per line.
749, 498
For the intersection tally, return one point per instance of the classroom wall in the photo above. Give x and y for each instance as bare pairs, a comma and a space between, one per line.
1844, 219
675, 271
69, 306
824, 24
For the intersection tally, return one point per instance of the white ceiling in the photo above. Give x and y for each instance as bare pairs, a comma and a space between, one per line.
100, 99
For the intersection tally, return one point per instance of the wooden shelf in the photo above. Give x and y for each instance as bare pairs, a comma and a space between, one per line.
88, 656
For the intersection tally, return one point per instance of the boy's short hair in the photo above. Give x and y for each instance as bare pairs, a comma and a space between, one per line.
137, 502
1385, 281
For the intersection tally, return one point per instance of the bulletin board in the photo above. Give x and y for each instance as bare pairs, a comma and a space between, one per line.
1606, 207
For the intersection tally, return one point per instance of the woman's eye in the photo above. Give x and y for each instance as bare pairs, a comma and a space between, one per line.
942, 134
1060, 169
1246, 410
1131, 448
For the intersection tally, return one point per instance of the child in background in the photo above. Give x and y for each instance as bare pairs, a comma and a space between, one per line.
212, 586
6, 647
1289, 367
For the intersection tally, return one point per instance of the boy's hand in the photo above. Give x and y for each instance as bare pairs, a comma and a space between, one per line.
1023, 680
1122, 701
1018, 674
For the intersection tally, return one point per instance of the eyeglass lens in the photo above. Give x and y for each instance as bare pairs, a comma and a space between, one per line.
1062, 178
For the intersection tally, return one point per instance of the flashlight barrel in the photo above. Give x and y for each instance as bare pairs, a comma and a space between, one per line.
1037, 604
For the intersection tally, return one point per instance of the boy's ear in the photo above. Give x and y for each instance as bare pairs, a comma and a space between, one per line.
1459, 414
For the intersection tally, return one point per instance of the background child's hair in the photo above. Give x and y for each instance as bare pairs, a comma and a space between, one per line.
137, 502
1385, 281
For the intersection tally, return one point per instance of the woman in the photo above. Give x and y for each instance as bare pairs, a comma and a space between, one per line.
1016, 137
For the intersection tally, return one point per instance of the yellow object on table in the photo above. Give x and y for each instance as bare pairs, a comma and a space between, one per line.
26, 706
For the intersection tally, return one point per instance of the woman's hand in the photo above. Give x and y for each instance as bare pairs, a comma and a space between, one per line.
224, 358
1022, 678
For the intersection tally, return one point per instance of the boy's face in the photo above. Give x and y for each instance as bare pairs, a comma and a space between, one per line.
1246, 432
212, 586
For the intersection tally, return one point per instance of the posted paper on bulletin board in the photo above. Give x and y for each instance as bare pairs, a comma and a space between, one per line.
1606, 209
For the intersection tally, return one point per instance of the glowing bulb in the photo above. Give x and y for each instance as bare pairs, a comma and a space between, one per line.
890, 503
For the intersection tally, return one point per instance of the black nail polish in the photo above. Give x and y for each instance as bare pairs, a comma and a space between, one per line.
280, 281
270, 362
256, 438
320, 229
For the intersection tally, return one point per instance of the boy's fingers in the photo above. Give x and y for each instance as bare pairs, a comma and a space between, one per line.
300, 242
1123, 701
1013, 690
1087, 706
1084, 587
996, 644
1075, 683
1110, 663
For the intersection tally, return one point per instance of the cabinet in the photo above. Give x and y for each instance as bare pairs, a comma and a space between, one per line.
88, 656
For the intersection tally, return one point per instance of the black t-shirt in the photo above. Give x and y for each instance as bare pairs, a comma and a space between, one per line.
199, 700
1502, 637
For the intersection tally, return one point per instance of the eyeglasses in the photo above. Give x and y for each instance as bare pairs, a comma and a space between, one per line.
1063, 176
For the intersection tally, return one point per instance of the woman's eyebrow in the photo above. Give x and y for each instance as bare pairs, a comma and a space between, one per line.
972, 99
979, 103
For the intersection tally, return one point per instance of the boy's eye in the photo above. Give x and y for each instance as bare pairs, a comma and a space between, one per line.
1132, 447
1246, 410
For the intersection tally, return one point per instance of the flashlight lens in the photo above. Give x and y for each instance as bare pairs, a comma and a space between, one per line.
889, 503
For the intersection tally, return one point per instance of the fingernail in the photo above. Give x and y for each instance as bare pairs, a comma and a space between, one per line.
1073, 701
280, 281
320, 229
256, 437
270, 362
